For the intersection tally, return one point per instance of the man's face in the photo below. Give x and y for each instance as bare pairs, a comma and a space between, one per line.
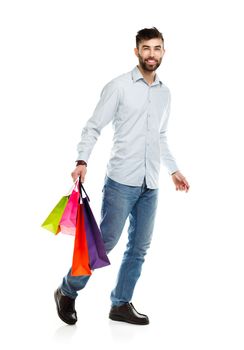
150, 54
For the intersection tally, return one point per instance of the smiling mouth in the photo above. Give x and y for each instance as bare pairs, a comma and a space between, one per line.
151, 61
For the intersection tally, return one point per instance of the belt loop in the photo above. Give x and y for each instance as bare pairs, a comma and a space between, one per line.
143, 184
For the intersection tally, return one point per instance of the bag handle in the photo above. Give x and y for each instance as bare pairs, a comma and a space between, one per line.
74, 185
81, 188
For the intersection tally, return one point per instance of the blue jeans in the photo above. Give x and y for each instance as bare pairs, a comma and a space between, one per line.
118, 203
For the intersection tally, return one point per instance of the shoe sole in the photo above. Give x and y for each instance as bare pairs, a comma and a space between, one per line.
59, 315
121, 319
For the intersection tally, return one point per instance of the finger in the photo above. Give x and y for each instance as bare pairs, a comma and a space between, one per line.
74, 176
180, 186
184, 187
187, 188
186, 183
82, 179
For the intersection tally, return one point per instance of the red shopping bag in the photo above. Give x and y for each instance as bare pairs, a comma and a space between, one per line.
80, 263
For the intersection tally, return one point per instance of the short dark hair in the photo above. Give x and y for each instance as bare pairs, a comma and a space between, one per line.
147, 34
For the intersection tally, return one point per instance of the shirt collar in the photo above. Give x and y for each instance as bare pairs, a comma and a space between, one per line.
136, 75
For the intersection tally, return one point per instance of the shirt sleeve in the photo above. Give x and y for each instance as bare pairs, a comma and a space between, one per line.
102, 115
166, 156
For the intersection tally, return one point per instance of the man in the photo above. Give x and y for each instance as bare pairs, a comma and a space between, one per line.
138, 104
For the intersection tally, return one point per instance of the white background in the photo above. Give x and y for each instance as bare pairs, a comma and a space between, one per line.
56, 56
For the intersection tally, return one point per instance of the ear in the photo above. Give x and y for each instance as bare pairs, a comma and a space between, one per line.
136, 51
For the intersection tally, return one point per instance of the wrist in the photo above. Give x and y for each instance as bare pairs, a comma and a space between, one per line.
81, 162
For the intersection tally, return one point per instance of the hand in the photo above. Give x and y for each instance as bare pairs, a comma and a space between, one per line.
180, 182
80, 170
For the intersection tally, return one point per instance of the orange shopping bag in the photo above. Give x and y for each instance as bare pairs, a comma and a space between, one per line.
80, 263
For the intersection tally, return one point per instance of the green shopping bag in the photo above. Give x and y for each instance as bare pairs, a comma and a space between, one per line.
52, 221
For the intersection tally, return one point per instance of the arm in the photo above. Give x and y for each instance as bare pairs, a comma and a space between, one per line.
167, 158
102, 115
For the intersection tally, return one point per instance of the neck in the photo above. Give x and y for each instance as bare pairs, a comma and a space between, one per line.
148, 76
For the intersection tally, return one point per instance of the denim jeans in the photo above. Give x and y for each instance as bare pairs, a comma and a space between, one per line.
118, 203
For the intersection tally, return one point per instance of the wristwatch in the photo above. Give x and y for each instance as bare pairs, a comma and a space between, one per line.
81, 162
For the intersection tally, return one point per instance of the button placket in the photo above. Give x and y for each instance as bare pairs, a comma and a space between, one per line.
147, 146
148, 113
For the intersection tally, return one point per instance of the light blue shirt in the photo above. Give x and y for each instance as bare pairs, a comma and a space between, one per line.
139, 113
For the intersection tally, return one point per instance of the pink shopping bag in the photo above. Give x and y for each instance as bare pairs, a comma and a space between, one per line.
68, 220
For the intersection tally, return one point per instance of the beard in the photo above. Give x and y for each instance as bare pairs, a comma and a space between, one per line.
149, 67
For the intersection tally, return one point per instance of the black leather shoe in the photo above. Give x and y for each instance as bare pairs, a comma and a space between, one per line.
65, 307
127, 313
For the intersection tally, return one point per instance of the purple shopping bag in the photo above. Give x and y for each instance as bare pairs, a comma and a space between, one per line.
97, 254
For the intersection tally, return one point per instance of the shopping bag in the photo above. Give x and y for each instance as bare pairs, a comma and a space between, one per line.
52, 221
68, 220
96, 249
80, 263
